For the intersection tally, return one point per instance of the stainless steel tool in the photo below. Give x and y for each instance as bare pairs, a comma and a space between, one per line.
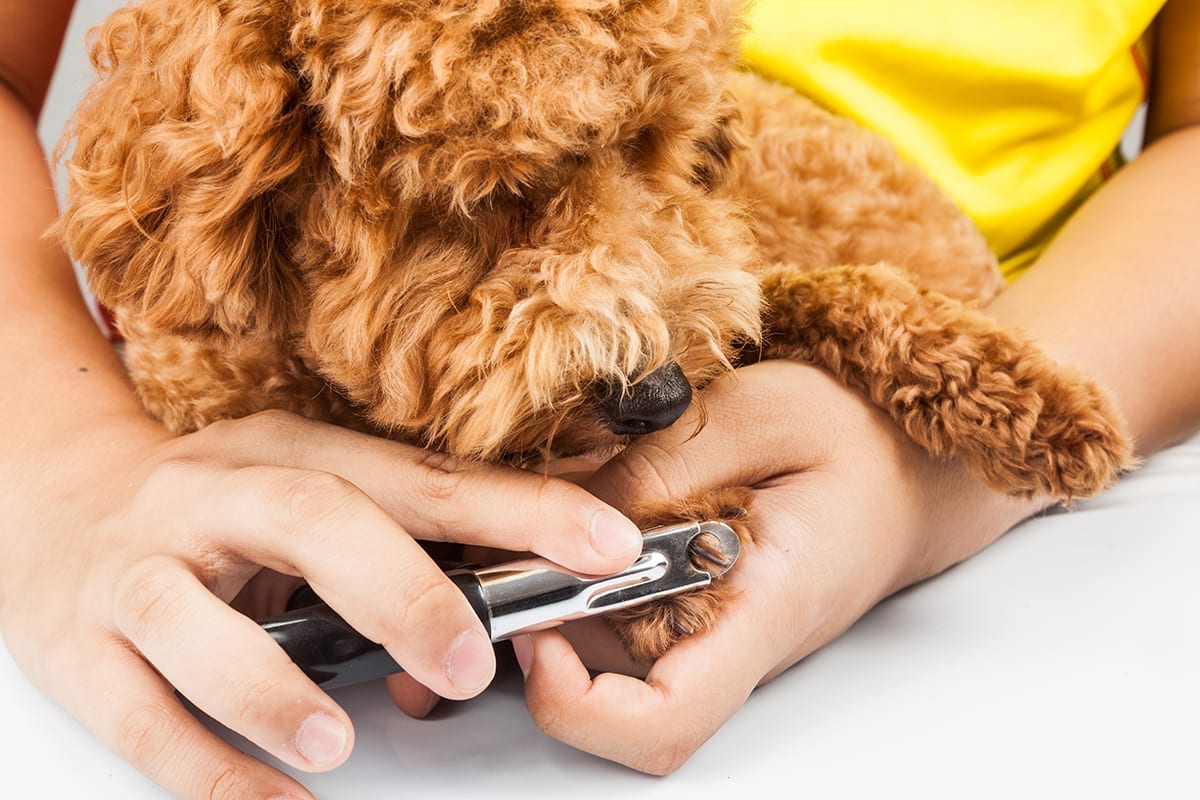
514, 598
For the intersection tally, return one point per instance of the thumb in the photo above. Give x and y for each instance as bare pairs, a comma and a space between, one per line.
741, 430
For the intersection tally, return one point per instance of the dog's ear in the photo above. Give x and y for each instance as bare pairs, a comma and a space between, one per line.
185, 153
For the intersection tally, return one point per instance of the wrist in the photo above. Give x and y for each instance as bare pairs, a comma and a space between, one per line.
962, 516
63, 457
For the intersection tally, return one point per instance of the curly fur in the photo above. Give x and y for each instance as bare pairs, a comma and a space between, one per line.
451, 221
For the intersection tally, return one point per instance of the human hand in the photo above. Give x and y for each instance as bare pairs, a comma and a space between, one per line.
846, 510
119, 566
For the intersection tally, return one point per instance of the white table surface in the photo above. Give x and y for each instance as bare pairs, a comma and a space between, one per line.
1062, 662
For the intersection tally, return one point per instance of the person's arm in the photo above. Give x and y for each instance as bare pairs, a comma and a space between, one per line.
122, 545
1175, 88
1116, 292
846, 509
48, 337
29, 47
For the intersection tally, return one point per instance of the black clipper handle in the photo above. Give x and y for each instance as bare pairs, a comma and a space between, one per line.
333, 654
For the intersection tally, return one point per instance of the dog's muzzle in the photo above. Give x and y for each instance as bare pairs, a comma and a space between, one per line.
649, 404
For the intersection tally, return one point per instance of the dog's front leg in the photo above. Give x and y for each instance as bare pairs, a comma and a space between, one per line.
957, 383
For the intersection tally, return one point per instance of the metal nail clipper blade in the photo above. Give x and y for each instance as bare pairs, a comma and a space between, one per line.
514, 598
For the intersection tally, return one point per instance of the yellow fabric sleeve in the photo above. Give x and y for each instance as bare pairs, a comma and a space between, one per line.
1015, 107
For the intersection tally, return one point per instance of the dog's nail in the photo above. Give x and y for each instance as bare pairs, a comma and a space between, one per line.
706, 550
682, 629
613, 536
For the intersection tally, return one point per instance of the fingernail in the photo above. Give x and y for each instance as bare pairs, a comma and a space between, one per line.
612, 535
523, 649
471, 662
320, 739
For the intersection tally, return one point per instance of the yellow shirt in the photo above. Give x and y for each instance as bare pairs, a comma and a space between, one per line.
1015, 107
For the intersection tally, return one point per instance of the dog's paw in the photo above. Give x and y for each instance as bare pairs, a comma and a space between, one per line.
959, 384
1023, 423
1077, 444
649, 631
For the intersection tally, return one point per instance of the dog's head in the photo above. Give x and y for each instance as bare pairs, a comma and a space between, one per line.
493, 225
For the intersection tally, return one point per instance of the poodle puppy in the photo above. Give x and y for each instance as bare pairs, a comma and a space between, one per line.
514, 229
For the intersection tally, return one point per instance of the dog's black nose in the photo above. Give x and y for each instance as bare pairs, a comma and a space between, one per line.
647, 405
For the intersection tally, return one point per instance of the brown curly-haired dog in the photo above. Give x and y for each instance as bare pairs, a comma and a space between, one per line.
508, 229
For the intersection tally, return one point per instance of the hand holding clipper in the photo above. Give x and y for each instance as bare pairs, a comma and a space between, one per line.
514, 598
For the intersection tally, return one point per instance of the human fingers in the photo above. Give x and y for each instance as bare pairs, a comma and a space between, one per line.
266, 594
653, 726
762, 421
656, 724
228, 666
441, 498
131, 709
357, 558
409, 696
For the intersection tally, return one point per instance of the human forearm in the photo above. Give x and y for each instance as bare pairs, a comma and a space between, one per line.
64, 375
1113, 296
1115, 293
